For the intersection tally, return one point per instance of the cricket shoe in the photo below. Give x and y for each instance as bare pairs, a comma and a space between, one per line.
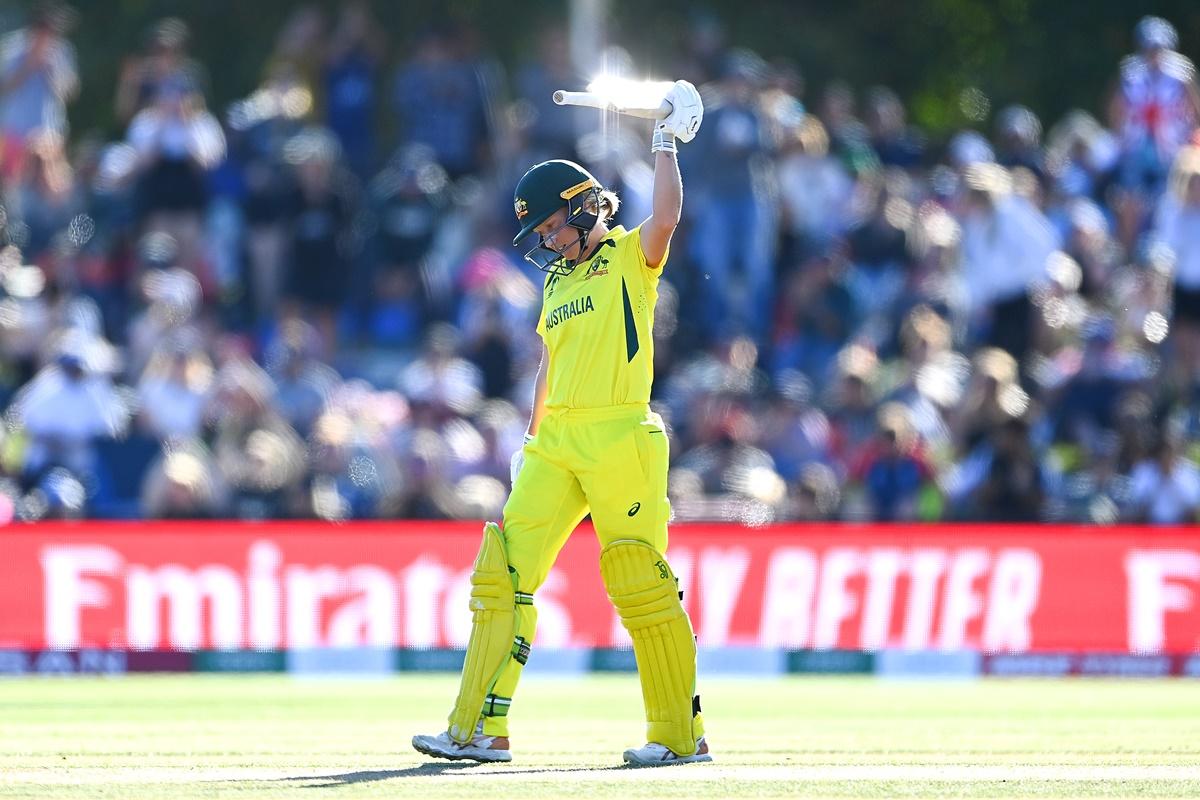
485, 749
653, 754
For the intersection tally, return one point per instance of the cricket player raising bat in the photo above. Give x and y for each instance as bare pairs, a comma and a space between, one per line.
593, 445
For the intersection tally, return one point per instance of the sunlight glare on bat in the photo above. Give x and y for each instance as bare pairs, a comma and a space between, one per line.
626, 93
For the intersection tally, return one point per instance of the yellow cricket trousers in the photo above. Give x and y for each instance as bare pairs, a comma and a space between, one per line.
610, 462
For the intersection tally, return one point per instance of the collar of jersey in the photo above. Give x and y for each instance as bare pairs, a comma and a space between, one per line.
611, 235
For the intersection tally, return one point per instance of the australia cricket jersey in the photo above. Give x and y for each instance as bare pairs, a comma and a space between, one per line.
597, 324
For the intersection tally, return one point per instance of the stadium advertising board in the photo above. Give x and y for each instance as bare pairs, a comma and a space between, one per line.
240, 586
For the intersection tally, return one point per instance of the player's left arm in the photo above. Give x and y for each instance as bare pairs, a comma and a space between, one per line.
687, 112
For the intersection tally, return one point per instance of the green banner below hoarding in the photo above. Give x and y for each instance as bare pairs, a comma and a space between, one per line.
239, 661
433, 660
830, 661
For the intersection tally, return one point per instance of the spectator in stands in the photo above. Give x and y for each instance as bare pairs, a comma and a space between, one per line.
993, 396
1095, 383
184, 484
878, 247
1165, 487
348, 479
849, 138
1006, 242
817, 313
1154, 108
815, 190
352, 63
1178, 227
893, 471
68, 405
441, 383
173, 390
1089, 243
172, 298
816, 496
551, 131
440, 101
735, 222
304, 385
1011, 488
256, 451
895, 142
163, 64
793, 431
1019, 140
322, 242
928, 378
38, 77
46, 199
1155, 105
177, 143
408, 197
851, 405
1081, 155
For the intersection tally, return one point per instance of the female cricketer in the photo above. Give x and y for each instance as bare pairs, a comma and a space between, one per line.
593, 445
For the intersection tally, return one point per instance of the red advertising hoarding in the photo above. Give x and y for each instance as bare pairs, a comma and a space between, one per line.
232, 585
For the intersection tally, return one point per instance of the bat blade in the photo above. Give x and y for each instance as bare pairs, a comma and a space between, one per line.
645, 99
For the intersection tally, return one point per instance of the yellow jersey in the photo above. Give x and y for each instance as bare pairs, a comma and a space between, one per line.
598, 326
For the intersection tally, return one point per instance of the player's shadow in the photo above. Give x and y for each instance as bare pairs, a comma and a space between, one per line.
369, 775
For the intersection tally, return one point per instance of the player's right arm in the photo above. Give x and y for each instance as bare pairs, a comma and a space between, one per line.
539, 394
535, 417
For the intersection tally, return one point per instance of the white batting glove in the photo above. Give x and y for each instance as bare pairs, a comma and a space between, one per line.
687, 112
518, 461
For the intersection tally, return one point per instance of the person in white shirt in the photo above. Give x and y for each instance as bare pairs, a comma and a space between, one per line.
1006, 241
63, 410
177, 142
37, 77
1177, 225
1165, 488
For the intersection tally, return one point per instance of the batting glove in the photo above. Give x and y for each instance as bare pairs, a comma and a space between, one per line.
518, 461
687, 112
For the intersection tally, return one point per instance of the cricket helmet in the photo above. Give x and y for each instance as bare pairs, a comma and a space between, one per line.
543, 190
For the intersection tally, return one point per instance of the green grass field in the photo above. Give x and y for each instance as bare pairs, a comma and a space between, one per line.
277, 736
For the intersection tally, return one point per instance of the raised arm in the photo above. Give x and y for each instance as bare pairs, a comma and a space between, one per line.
668, 205
682, 125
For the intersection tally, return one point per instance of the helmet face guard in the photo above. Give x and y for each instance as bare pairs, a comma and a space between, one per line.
582, 216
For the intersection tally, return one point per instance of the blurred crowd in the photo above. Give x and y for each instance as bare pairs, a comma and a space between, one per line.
306, 304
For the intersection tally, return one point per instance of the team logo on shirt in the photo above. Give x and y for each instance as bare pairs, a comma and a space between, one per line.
599, 266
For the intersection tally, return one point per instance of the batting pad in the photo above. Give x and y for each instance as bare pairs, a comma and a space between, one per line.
645, 593
493, 603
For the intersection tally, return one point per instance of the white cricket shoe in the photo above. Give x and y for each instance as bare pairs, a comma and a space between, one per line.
653, 754
485, 749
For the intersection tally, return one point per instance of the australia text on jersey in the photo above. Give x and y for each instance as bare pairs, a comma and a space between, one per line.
564, 312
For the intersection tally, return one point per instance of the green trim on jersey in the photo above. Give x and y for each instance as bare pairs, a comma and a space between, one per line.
631, 337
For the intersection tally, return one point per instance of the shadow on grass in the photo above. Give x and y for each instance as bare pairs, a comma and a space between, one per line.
428, 770
369, 775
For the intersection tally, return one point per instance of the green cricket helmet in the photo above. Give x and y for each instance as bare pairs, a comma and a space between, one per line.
543, 190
